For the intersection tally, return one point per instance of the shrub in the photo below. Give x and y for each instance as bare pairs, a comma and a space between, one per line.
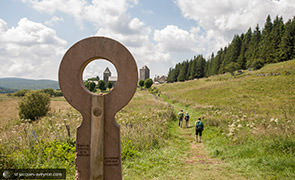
109, 85
141, 83
34, 104
101, 85
90, 85
20, 93
148, 83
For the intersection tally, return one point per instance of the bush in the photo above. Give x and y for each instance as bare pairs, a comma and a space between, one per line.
90, 86
20, 93
34, 104
148, 83
109, 85
101, 85
141, 83
49, 91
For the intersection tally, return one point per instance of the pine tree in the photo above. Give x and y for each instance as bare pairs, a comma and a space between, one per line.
286, 51
253, 52
244, 48
192, 73
181, 76
276, 34
265, 45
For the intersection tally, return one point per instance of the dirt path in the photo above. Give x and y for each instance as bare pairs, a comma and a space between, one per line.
201, 166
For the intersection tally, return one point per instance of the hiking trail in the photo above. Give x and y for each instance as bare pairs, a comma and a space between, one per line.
198, 163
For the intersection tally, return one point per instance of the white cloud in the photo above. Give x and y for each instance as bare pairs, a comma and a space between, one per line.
99, 12
174, 39
111, 19
224, 18
53, 21
30, 50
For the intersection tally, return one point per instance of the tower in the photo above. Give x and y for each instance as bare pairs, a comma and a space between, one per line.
106, 74
144, 73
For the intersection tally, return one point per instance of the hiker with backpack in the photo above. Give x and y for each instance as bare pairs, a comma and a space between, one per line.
199, 127
180, 118
186, 118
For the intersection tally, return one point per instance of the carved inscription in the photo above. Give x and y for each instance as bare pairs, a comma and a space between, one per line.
82, 149
111, 161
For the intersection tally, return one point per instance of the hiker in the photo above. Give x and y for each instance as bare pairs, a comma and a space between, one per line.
199, 127
180, 117
186, 118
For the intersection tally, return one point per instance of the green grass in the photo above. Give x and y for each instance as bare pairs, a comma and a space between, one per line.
144, 129
249, 118
166, 162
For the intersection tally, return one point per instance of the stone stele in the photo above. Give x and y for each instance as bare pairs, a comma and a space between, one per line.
98, 137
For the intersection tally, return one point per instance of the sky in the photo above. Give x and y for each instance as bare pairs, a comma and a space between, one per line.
35, 34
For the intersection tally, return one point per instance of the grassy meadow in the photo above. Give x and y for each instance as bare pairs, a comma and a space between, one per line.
144, 127
249, 130
249, 118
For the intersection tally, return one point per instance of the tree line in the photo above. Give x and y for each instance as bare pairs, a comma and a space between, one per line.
274, 43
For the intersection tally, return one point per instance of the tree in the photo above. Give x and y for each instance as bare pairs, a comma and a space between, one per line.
192, 72
257, 64
101, 85
181, 76
287, 43
200, 66
242, 59
148, 83
277, 34
141, 83
253, 51
109, 85
34, 105
90, 86
265, 45
231, 67
48, 91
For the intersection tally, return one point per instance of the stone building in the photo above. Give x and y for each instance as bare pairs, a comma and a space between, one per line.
144, 73
160, 79
107, 76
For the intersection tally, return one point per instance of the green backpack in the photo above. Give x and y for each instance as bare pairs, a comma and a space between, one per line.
199, 125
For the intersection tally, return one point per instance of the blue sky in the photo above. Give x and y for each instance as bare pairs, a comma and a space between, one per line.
35, 34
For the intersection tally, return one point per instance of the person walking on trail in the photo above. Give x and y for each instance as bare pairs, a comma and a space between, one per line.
180, 118
186, 118
199, 127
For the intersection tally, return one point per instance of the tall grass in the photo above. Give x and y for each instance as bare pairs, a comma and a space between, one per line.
249, 118
144, 124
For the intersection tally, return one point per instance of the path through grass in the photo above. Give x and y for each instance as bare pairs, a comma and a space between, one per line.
180, 159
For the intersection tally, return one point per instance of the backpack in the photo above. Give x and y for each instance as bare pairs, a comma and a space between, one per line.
186, 117
180, 115
199, 125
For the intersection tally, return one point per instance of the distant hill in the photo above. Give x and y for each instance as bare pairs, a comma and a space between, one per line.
19, 83
6, 90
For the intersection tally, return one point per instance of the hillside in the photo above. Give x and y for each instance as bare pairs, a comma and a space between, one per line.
249, 118
19, 83
6, 90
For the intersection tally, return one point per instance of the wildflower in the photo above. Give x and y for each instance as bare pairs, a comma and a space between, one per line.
276, 120
272, 119
239, 126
